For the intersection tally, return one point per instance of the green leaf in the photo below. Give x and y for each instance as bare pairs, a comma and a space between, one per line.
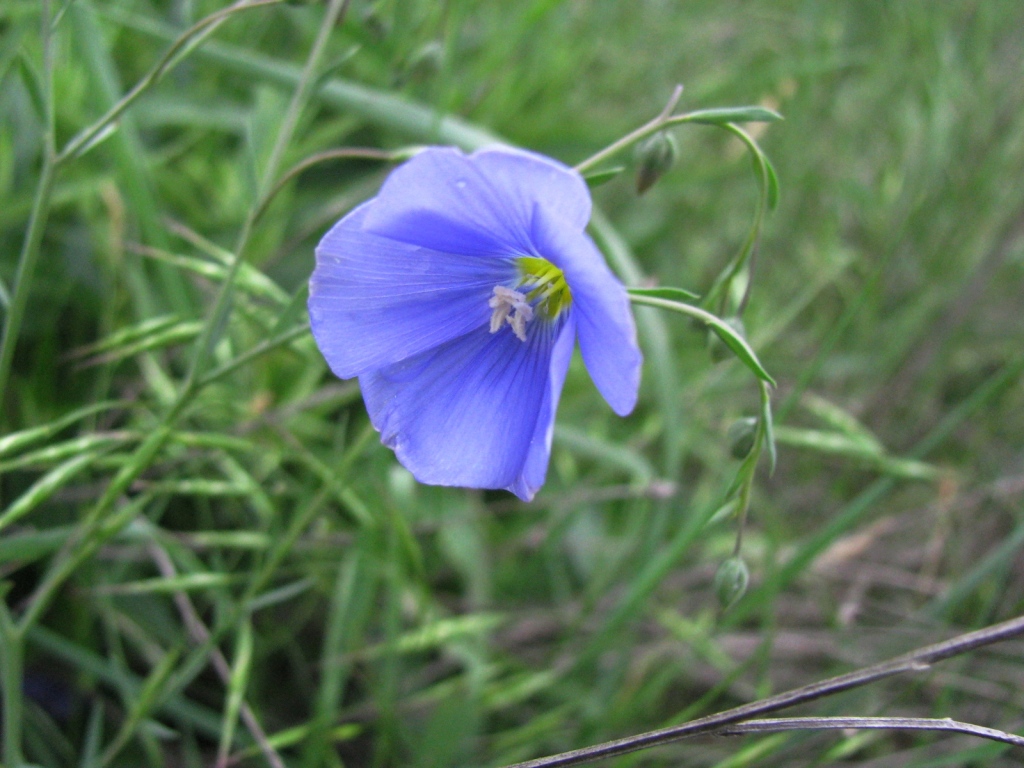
768, 425
741, 349
597, 178
733, 340
26, 547
733, 115
237, 683
773, 182
33, 85
66, 449
18, 440
157, 338
667, 292
46, 486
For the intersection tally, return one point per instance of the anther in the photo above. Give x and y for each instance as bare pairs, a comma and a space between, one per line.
510, 307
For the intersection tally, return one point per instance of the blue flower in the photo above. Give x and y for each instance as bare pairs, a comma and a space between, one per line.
456, 296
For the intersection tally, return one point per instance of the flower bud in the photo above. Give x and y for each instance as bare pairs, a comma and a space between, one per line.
655, 155
741, 437
731, 581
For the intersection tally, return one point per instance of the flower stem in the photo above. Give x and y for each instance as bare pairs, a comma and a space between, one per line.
645, 130
218, 317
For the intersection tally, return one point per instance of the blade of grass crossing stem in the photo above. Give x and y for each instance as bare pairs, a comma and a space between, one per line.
90, 757
218, 316
204, 720
351, 602
237, 685
149, 698
135, 168
90, 535
644, 583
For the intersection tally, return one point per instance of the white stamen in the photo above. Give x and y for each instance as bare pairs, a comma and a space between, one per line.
510, 307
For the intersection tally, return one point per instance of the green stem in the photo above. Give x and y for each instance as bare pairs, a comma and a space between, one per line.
742, 258
222, 304
181, 46
11, 657
720, 117
30, 248
661, 121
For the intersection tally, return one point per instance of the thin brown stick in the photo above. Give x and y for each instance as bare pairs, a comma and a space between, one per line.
915, 661
774, 725
200, 634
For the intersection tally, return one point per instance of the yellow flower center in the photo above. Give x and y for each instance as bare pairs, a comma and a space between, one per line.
544, 285
541, 289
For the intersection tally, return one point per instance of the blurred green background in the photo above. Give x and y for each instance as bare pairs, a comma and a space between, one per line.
205, 551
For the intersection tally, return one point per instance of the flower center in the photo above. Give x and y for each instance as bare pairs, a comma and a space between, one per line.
541, 288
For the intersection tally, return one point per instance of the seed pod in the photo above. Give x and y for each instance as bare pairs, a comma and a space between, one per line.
731, 581
741, 437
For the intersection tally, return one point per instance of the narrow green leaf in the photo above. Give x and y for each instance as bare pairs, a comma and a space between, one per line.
26, 547
129, 335
721, 115
773, 183
46, 486
104, 133
237, 684
666, 292
65, 449
611, 454
149, 697
103, 668
160, 586
725, 512
727, 333
842, 421
768, 425
19, 440
33, 85
93, 737
597, 178
166, 337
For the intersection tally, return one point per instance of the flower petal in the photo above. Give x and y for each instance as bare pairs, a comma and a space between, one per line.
535, 469
465, 413
481, 204
374, 301
601, 306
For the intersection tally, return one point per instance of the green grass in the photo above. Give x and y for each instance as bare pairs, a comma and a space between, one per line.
202, 543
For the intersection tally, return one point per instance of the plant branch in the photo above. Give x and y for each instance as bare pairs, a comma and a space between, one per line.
666, 119
915, 661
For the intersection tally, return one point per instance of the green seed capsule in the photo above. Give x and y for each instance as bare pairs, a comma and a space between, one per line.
731, 581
